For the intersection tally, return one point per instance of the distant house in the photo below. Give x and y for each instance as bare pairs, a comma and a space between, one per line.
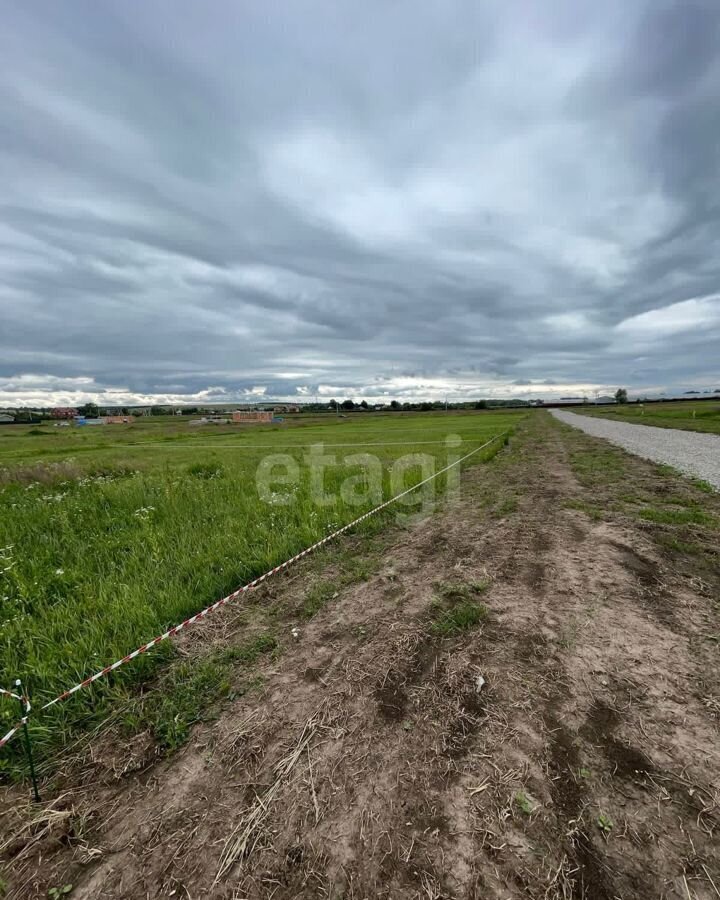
63, 412
286, 408
6, 419
251, 416
570, 401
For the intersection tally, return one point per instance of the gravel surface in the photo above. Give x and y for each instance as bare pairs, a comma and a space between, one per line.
692, 452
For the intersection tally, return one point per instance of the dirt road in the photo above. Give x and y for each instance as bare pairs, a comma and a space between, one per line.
566, 745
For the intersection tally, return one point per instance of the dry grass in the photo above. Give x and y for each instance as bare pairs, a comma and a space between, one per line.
248, 830
41, 473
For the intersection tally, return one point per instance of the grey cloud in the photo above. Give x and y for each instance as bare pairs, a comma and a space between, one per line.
373, 199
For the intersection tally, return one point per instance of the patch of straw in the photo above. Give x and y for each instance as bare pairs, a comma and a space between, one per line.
246, 833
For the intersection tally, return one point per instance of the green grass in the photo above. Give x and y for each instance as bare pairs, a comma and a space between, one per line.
700, 415
455, 609
187, 695
594, 512
455, 591
505, 507
351, 569
524, 803
597, 464
460, 618
110, 535
688, 515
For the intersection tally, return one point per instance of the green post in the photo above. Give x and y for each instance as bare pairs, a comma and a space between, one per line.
28, 745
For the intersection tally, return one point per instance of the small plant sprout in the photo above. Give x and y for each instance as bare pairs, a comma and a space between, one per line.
523, 801
56, 892
605, 824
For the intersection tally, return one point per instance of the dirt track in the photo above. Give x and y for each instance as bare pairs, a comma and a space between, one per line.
370, 765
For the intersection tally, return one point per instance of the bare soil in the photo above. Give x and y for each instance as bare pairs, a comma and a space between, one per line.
374, 762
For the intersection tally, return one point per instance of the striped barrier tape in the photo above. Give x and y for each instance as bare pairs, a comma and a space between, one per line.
18, 725
242, 590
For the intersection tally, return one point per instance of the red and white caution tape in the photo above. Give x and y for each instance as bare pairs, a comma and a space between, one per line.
242, 590
18, 725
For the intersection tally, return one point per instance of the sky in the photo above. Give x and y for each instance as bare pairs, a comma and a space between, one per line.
239, 201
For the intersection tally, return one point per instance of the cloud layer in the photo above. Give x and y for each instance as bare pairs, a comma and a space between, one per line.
242, 200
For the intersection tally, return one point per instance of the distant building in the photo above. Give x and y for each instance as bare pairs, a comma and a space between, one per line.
286, 408
569, 401
82, 420
251, 416
63, 412
6, 419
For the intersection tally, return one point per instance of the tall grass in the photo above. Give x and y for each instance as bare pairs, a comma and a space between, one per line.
94, 564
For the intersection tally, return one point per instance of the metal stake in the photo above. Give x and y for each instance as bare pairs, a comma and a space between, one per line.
28, 745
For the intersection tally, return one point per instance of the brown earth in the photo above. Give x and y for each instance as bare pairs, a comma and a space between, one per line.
373, 762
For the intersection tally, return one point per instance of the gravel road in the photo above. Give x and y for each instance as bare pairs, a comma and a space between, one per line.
692, 452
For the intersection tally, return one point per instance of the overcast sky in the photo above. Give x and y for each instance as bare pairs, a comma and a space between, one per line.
390, 200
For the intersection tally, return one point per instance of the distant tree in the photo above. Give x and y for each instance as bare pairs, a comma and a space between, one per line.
364, 404
89, 410
481, 404
621, 395
333, 404
394, 404
348, 404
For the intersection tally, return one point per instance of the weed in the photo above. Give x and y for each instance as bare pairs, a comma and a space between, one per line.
317, 596
505, 507
594, 512
703, 486
353, 568
462, 616
56, 892
596, 465
524, 803
206, 470
604, 824
480, 584
683, 516
249, 653
454, 591
188, 691
671, 543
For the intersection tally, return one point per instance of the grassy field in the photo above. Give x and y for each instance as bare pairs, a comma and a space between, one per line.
703, 415
498, 670
109, 535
